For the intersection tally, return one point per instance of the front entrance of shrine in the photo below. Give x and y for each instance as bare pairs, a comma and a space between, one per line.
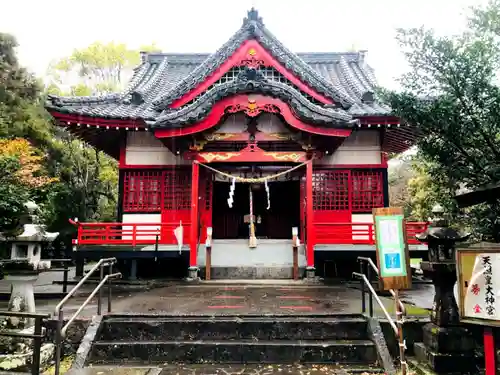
251, 200
274, 213
254, 208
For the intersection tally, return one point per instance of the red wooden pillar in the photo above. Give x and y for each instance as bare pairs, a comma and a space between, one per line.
489, 351
309, 218
193, 232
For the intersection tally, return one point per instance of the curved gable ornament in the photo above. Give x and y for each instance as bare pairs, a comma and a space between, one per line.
252, 105
251, 82
268, 51
252, 60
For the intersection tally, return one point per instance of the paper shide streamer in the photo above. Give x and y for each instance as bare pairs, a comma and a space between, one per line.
268, 195
230, 200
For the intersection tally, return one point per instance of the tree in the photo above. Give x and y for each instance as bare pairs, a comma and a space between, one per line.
20, 162
399, 175
16, 84
426, 188
96, 69
66, 177
412, 187
42, 162
23, 178
20, 112
451, 95
87, 189
87, 174
29, 164
89, 179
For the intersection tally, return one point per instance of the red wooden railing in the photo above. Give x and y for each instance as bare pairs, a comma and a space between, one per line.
359, 233
146, 233
129, 233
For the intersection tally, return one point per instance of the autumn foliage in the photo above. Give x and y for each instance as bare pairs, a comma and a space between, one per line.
30, 164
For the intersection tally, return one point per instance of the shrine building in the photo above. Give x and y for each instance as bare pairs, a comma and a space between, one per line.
247, 146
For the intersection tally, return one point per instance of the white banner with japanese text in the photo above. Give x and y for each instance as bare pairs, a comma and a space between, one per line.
482, 297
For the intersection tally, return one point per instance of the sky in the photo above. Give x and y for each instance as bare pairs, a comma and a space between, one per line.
51, 29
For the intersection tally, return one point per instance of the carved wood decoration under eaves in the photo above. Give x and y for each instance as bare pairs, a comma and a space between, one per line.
246, 136
252, 61
198, 144
252, 109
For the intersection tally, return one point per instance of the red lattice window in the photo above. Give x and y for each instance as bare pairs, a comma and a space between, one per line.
177, 190
330, 190
345, 190
142, 191
148, 191
367, 190
207, 193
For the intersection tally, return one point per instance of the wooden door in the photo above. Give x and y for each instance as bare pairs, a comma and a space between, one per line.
176, 208
332, 205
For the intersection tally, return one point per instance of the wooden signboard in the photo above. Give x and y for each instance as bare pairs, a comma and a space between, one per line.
478, 272
393, 257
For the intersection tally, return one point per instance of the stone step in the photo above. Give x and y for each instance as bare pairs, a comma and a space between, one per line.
238, 351
232, 328
231, 369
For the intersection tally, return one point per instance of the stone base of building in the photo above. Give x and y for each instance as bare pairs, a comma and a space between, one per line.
252, 273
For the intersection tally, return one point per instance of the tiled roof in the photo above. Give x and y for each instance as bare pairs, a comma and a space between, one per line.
162, 78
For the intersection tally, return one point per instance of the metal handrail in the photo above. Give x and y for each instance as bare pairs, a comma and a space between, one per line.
82, 281
374, 294
391, 291
86, 302
58, 311
37, 335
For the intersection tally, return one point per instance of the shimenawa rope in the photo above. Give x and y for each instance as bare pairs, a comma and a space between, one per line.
254, 180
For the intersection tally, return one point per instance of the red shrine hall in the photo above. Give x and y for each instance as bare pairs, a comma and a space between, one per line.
246, 152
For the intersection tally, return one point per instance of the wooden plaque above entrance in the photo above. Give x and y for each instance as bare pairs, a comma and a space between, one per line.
251, 153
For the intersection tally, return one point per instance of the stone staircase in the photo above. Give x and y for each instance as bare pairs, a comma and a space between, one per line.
161, 340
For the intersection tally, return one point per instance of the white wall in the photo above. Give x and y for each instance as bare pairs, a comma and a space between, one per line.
144, 149
235, 123
266, 123
360, 230
268, 253
361, 147
270, 123
142, 218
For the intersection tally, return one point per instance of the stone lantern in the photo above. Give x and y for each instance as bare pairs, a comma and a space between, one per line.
447, 346
22, 270
25, 265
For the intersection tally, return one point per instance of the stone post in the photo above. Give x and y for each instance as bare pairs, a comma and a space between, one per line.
17, 352
22, 270
447, 347
22, 274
